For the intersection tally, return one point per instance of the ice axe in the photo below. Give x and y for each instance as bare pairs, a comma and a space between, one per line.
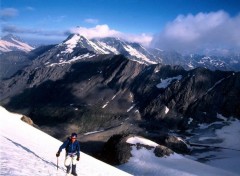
57, 163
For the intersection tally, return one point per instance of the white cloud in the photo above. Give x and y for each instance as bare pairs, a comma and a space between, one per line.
29, 8
91, 21
101, 31
8, 13
42, 32
143, 39
215, 30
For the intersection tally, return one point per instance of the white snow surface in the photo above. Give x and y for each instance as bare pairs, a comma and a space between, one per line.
134, 52
166, 82
144, 162
219, 162
92, 132
25, 150
129, 109
71, 43
107, 47
139, 140
225, 135
74, 59
6, 46
166, 109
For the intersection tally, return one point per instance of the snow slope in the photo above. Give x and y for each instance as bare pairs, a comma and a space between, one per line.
224, 134
25, 150
144, 162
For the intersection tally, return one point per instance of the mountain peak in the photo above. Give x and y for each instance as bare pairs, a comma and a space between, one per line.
11, 38
11, 42
74, 38
77, 41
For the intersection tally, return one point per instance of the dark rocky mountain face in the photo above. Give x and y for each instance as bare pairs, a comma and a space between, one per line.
13, 61
102, 91
92, 93
200, 94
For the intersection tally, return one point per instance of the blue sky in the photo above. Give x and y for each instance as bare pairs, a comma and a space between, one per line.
144, 21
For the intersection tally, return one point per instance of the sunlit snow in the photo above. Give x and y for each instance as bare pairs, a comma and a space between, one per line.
166, 110
217, 83
134, 52
27, 151
129, 109
74, 59
140, 140
108, 47
166, 82
6, 46
144, 162
225, 136
71, 43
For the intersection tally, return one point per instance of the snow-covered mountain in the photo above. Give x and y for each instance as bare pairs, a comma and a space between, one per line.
26, 150
148, 56
133, 51
110, 45
13, 43
76, 45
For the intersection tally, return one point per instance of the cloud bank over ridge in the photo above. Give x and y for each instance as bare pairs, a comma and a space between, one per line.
101, 31
200, 33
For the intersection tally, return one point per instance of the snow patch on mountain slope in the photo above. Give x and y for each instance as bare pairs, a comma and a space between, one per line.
23, 45
74, 59
166, 82
133, 52
108, 47
71, 43
6, 46
96, 48
139, 140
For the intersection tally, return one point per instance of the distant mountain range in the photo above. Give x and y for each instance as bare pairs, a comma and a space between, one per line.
133, 51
